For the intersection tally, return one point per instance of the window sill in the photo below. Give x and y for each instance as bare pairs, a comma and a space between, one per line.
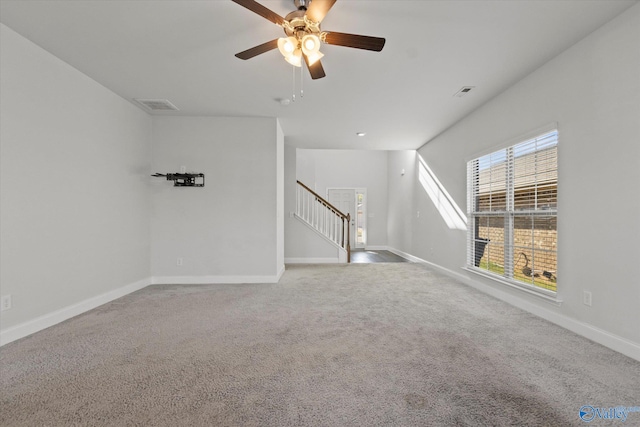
548, 296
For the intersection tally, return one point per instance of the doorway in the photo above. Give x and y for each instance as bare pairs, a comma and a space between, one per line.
352, 201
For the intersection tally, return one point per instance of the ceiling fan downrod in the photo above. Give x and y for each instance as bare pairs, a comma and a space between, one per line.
302, 4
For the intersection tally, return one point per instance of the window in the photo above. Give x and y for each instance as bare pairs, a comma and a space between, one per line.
512, 201
361, 219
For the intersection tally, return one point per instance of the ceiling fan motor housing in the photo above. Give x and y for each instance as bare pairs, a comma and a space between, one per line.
297, 25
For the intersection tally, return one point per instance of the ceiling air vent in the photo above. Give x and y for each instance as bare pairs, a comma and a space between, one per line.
157, 104
462, 92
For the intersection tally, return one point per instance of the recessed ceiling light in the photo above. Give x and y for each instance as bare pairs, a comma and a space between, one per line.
361, 133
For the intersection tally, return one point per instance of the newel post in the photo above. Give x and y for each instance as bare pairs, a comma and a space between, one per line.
348, 237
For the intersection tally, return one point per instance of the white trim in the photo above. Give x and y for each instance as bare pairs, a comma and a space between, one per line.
607, 339
375, 248
365, 213
212, 280
547, 295
407, 256
39, 323
312, 261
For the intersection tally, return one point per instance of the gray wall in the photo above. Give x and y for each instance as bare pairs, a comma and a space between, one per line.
323, 169
592, 91
301, 243
229, 230
75, 205
401, 212
78, 203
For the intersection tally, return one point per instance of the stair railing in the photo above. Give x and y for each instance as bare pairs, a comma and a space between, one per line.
324, 217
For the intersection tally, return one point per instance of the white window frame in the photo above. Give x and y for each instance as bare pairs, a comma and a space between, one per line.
508, 214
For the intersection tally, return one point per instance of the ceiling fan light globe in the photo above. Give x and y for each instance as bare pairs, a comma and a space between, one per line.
287, 45
295, 58
310, 44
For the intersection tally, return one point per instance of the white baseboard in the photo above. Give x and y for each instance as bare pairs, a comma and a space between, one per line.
32, 326
407, 256
600, 336
311, 260
38, 324
377, 248
213, 280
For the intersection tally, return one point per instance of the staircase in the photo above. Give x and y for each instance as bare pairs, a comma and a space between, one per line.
324, 218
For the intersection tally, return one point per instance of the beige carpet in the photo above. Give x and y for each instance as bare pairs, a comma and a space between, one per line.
336, 345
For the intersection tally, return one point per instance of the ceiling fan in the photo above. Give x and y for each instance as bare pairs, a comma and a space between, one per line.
302, 27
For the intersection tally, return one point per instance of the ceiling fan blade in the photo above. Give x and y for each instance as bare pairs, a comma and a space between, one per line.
316, 70
354, 40
257, 50
261, 10
318, 9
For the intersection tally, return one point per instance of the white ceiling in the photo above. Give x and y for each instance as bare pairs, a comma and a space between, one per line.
401, 97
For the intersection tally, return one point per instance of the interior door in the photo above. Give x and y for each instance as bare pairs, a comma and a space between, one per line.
345, 200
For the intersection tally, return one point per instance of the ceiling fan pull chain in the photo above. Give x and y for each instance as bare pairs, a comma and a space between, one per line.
293, 84
301, 83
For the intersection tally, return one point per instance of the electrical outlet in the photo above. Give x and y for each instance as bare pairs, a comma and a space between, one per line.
179, 262
183, 169
6, 303
418, 214
586, 298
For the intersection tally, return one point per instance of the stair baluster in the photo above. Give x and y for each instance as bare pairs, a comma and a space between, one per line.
323, 217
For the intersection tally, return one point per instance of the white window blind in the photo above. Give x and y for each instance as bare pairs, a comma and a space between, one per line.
512, 201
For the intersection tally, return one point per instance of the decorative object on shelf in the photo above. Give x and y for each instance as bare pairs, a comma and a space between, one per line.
184, 179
